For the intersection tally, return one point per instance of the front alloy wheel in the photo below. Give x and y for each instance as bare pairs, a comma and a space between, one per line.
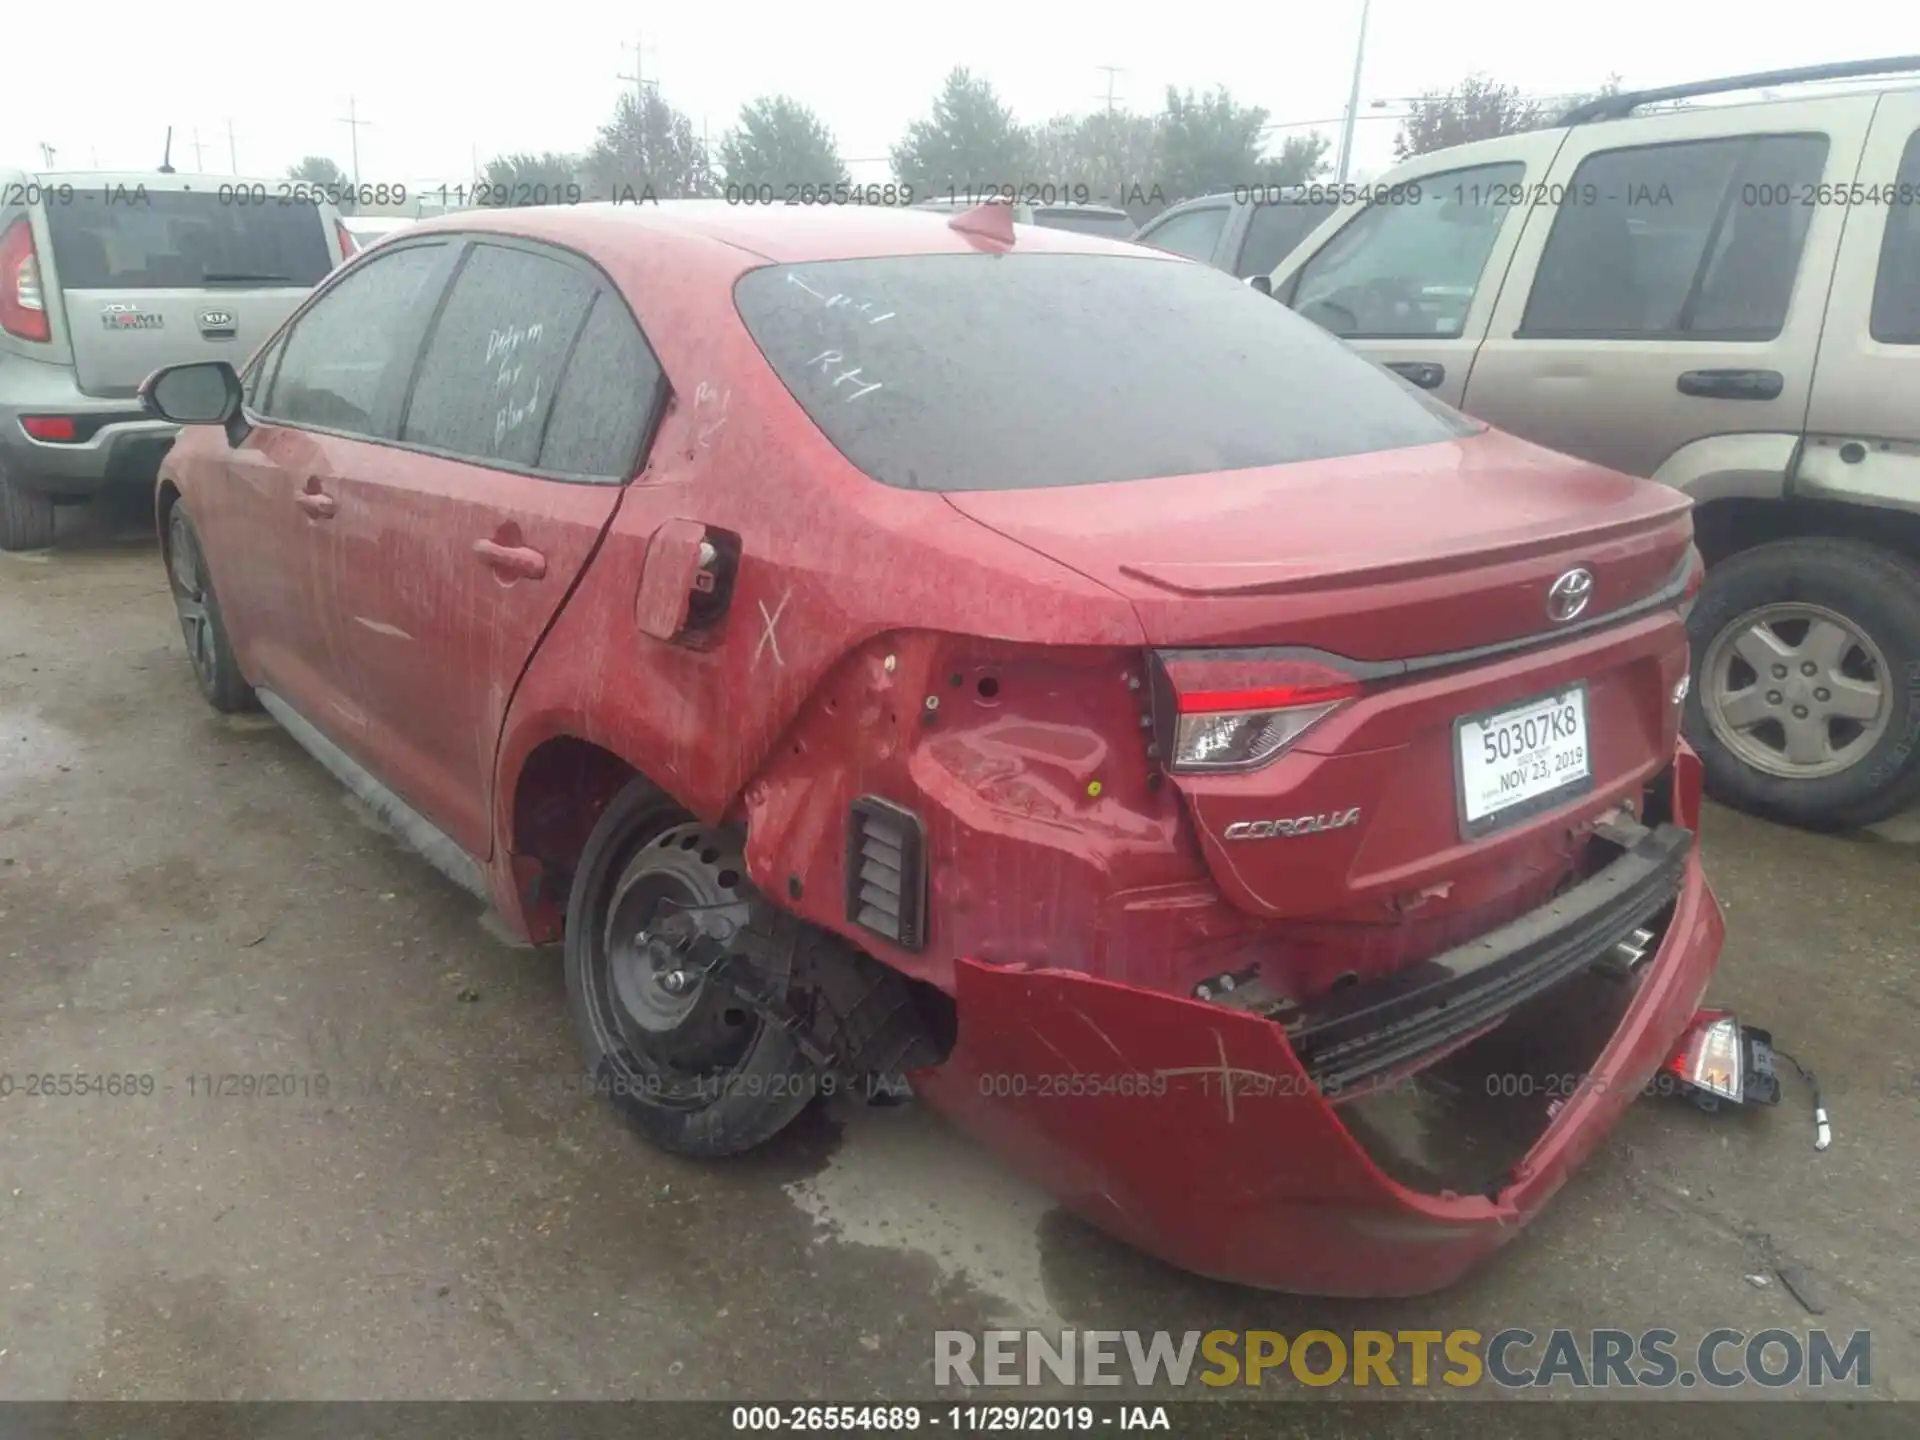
208, 650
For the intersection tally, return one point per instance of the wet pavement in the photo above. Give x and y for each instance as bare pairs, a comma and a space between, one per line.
398, 1193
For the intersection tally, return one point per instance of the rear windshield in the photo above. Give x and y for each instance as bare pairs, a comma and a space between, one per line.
1012, 372
173, 239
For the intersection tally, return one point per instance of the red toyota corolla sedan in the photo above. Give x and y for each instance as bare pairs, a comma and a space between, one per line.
887, 649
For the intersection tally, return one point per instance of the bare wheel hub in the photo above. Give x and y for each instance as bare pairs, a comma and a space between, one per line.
1796, 690
677, 913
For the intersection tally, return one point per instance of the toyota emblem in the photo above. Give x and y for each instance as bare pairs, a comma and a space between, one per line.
1569, 595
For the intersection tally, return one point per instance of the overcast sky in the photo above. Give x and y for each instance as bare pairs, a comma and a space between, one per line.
439, 84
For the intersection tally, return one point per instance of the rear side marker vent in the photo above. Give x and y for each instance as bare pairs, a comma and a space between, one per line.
886, 871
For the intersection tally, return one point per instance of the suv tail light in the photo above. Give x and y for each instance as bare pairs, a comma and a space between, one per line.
349, 247
1239, 710
50, 427
23, 309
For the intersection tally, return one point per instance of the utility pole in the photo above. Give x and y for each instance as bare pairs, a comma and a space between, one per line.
1353, 96
47, 152
639, 76
199, 168
1111, 70
233, 151
354, 123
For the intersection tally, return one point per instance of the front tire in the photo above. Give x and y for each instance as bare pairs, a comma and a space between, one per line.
1805, 699
681, 1056
209, 651
26, 515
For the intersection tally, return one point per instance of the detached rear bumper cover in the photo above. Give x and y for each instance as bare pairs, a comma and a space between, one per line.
1195, 1132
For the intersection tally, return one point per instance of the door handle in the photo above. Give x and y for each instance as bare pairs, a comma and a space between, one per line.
1732, 384
314, 501
520, 561
1427, 374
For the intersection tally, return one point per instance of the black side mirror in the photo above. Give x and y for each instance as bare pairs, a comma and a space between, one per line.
1262, 283
204, 392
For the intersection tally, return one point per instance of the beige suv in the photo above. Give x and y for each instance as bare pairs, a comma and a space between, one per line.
1724, 297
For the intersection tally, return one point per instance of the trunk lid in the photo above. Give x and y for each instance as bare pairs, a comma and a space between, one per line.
1379, 557
1420, 578
155, 270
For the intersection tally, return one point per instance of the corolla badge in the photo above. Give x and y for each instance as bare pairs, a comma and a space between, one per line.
1569, 595
1299, 825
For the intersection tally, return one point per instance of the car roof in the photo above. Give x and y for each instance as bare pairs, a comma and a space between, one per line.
1261, 194
780, 234
156, 180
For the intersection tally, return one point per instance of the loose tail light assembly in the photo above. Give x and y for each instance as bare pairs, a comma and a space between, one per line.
1226, 711
1719, 1062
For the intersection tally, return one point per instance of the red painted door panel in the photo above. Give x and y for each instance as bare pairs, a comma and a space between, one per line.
265, 515
448, 576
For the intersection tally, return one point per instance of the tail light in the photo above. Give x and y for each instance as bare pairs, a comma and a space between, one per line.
23, 309
1719, 1059
1225, 710
349, 247
1696, 578
50, 427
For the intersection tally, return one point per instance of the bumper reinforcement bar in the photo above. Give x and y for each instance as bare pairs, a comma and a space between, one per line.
1370, 1029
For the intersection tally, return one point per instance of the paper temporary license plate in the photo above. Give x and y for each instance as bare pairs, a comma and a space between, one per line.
1520, 760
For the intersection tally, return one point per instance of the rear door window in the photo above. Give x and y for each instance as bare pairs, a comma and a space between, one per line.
1408, 267
1008, 372
1896, 290
493, 362
345, 363
1699, 240
1193, 233
1273, 232
107, 239
607, 398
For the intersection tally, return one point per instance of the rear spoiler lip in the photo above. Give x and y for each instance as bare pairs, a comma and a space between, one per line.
1307, 577
1670, 594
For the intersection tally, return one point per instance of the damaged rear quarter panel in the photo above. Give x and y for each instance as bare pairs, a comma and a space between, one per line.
836, 571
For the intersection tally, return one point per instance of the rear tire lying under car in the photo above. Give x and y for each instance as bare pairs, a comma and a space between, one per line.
692, 1067
1815, 640
26, 515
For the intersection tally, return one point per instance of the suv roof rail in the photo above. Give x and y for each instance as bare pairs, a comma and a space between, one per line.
1615, 107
